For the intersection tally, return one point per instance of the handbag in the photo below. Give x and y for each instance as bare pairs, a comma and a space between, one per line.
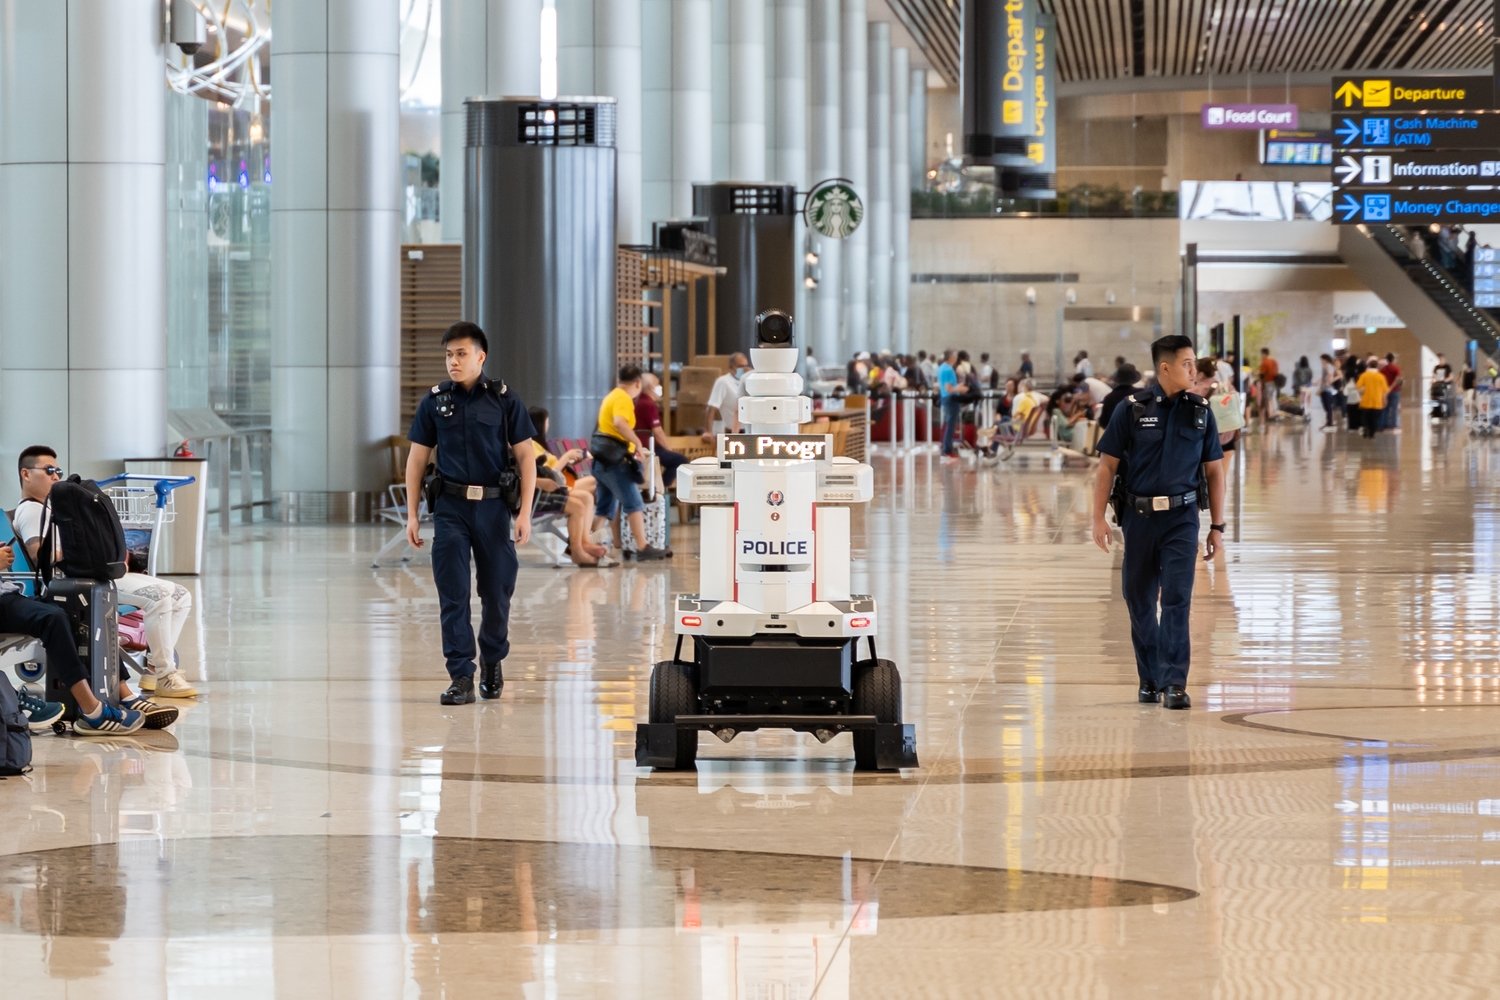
608, 449
1228, 415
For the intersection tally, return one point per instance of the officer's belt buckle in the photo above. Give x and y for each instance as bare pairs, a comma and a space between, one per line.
473, 492
1157, 503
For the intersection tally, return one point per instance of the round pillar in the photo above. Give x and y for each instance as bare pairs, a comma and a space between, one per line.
335, 235
855, 152
83, 142
879, 205
825, 141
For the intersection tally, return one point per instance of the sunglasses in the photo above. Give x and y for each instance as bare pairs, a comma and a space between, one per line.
50, 470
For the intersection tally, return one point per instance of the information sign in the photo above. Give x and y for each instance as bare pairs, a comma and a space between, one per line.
1457, 168
807, 447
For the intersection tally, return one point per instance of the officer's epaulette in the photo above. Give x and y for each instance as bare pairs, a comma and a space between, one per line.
1194, 398
442, 387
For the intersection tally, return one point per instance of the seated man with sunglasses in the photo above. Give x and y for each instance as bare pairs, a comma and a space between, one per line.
165, 605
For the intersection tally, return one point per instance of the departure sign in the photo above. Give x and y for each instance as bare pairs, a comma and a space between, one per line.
1418, 130
1416, 207
807, 447
1432, 169
1413, 93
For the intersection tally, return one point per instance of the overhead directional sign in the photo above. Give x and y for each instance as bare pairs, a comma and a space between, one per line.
1413, 93
1435, 169
1416, 130
1416, 207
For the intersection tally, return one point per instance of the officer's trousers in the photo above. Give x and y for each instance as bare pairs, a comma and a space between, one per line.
480, 527
1161, 556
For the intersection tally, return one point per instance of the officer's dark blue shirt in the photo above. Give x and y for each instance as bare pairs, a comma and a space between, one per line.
1163, 447
473, 443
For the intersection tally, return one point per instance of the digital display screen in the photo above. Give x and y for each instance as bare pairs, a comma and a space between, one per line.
808, 447
1489, 300
1280, 147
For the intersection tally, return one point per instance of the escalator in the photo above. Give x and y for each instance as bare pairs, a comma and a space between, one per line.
1433, 304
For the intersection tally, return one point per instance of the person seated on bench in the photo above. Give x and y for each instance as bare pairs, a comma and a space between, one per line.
164, 605
554, 496
46, 621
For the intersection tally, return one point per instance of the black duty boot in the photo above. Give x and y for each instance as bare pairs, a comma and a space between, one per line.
460, 692
490, 681
1175, 696
1148, 695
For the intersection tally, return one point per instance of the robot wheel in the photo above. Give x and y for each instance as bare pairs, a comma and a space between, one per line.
877, 692
674, 692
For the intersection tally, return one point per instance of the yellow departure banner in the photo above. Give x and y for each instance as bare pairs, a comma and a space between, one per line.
1413, 93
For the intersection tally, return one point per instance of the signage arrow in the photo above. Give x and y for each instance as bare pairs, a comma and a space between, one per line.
1348, 132
1350, 207
1348, 92
1347, 171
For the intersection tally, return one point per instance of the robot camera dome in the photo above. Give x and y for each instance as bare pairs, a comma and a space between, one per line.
773, 328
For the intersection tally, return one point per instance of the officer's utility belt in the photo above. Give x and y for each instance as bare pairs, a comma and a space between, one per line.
1150, 505
471, 492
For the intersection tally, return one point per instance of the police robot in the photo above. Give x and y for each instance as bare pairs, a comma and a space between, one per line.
774, 639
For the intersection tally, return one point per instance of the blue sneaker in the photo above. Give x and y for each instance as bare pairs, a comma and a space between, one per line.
40, 715
157, 716
110, 721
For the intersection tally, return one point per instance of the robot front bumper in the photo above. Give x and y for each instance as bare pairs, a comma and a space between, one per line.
794, 670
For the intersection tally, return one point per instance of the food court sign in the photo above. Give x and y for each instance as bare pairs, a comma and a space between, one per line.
833, 209
1249, 116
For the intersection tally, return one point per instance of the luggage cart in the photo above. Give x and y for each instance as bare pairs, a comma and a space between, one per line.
144, 503
1484, 416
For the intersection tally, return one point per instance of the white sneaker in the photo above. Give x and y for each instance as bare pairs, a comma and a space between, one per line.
172, 685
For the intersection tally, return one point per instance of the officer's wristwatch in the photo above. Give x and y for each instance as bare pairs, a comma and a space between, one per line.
1216, 527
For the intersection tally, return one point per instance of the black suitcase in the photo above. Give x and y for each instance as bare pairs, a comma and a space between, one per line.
91, 606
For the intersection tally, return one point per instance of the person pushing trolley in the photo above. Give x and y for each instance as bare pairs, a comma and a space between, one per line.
485, 477
1160, 462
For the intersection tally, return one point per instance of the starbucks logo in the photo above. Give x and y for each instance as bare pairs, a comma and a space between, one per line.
833, 209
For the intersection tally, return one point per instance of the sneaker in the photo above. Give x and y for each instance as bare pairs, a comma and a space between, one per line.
40, 715
157, 716
649, 554
110, 721
172, 685
146, 682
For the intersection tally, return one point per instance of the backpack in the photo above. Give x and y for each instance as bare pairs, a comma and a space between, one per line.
93, 540
15, 737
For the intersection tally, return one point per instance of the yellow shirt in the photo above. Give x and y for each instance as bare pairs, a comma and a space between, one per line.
619, 404
548, 459
1372, 389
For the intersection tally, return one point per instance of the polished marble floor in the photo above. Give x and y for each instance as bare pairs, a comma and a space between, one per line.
1325, 822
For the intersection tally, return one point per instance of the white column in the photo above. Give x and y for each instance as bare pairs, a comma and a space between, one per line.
692, 100
856, 159
489, 47
900, 199
335, 233
747, 90
617, 74
575, 47
789, 139
879, 205
918, 107
825, 139
83, 216
656, 113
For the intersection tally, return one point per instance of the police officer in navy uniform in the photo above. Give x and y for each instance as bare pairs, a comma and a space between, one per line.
481, 432
1169, 444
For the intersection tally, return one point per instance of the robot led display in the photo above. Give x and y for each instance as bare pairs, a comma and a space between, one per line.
774, 638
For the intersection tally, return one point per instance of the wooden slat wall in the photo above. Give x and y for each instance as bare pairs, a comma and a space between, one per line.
431, 301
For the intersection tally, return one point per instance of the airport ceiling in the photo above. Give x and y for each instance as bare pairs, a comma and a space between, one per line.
1115, 39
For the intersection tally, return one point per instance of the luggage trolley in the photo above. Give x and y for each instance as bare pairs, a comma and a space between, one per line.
1484, 416
144, 502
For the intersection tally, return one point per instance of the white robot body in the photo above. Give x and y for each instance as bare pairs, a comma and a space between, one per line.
772, 637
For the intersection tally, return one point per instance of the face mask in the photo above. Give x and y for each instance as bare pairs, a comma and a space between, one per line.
739, 373
656, 390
